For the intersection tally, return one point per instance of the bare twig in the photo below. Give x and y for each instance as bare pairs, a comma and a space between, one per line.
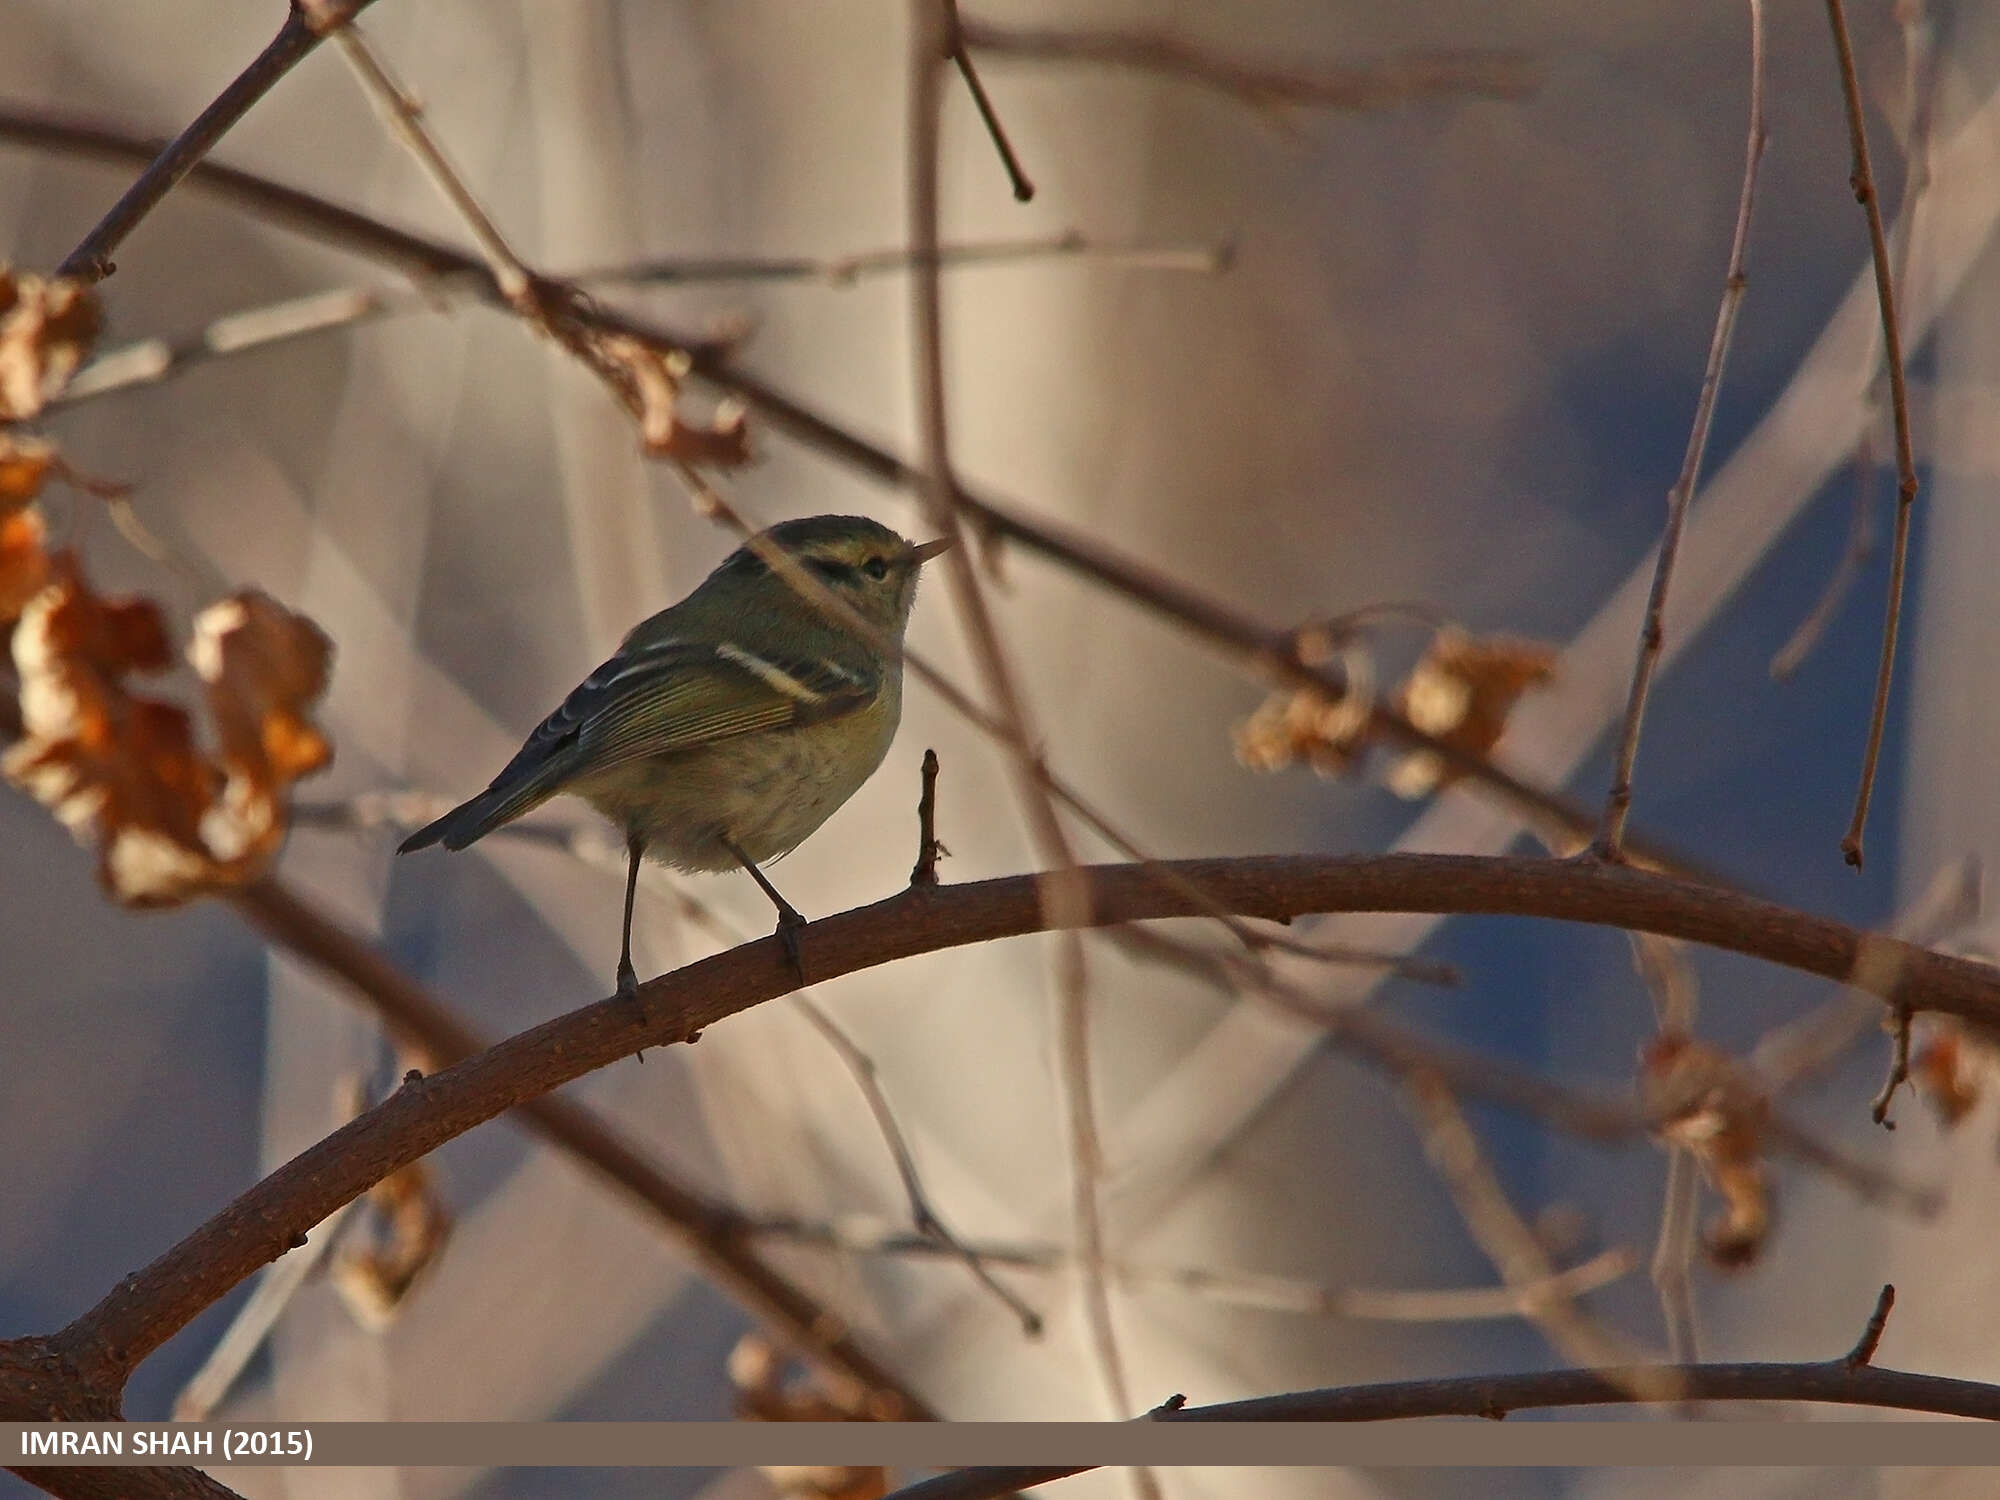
145, 1309
91, 259
708, 1231
1498, 1229
1673, 1256
1899, 1070
924, 871
933, 37
1268, 652
1228, 1286
932, 1228
1353, 86
405, 121
846, 270
1652, 635
1863, 183
1919, 97
954, 49
1863, 1352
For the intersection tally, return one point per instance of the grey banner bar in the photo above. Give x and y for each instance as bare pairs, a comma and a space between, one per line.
910, 1445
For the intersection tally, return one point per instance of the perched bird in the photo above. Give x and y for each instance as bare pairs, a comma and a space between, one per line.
729, 726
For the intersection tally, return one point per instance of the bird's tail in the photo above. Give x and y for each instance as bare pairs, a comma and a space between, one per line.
471, 821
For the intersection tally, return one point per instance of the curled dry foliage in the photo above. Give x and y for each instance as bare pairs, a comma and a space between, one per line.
169, 821
771, 1387
382, 1258
1705, 1103
647, 380
1461, 692
46, 329
25, 465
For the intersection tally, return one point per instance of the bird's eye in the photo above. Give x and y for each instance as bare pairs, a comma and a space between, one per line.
875, 567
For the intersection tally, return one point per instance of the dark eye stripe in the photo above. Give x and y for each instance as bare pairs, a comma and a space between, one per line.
831, 570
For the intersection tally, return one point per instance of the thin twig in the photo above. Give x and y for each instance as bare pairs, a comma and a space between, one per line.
91, 259
405, 121
1225, 1285
861, 1067
924, 871
1269, 653
1064, 893
1899, 1070
1863, 1352
846, 270
954, 48
930, 1225
1352, 86
1862, 180
1498, 1229
1673, 1257
1920, 98
1788, 1054
708, 1231
1652, 635
150, 361
148, 1307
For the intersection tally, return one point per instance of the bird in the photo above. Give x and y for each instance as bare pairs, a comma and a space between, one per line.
728, 727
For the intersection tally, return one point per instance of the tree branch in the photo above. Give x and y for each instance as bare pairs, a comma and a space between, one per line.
149, 1307
1266, 651
90, 260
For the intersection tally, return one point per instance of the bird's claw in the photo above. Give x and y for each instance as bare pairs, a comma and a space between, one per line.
628, 981
790, 925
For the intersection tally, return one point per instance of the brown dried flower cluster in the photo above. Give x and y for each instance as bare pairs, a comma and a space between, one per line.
1702, 1101
1461, 692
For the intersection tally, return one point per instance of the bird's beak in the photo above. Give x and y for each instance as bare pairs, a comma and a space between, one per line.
929, 550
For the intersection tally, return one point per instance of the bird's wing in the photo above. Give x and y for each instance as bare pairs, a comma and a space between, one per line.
661, 698
679, 695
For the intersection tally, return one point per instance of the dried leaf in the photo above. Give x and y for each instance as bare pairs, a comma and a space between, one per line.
24, 565
382, 1258
125, 770
25, 465
1951, 1069
1701, 1100
102, 759
46, 329
766, 1391
1328, 734
1461, 692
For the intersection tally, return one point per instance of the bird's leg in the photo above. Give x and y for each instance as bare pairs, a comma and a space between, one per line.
789, 920
628, 978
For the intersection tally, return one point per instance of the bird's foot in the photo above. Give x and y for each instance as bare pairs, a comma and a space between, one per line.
628, 980
790, 925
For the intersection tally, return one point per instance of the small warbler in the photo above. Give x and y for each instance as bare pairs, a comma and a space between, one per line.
729, 726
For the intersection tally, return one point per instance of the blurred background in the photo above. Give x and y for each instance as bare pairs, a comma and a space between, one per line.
1453, 359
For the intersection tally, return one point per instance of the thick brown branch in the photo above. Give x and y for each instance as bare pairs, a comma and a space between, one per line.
147, 1308
713, 1234
1830, 1382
